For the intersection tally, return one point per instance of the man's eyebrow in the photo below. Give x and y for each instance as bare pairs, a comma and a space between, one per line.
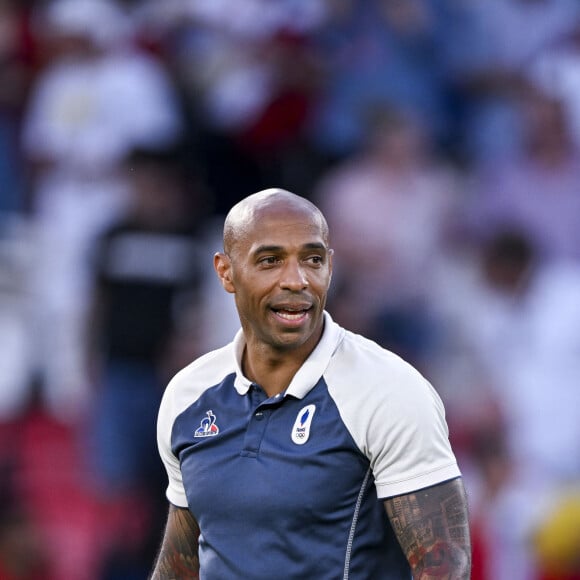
264, 248
315, 246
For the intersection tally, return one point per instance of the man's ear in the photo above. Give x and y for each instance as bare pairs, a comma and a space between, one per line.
330, 264
223, 267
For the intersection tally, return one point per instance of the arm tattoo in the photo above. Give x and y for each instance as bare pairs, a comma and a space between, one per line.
432, 527
178, 557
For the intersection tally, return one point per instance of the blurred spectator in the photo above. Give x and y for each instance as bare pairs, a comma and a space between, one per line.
389, 209
378, 52
23, 554
148, 279
21, 551
17, 60
490, 49
16, 354
95, 99
537, 191
518, 322
248, 76
557, 72
557, 538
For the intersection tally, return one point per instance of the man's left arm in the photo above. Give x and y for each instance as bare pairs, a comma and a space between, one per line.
432, 527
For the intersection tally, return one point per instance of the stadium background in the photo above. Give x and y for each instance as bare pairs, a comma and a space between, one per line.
441, 139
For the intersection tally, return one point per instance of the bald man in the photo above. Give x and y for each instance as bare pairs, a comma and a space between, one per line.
302, 450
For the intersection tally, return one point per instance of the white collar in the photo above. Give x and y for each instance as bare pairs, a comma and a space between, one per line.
310, 371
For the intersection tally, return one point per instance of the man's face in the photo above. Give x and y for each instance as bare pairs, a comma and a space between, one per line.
280, 271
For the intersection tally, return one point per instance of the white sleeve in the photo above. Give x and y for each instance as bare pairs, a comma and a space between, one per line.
175, 490
409, 447
397, 420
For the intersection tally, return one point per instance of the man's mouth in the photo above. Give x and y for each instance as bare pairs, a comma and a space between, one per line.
292, 314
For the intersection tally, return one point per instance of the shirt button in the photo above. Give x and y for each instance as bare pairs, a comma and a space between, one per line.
259, 415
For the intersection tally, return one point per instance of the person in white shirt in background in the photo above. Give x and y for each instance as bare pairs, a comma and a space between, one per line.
97, 98
512, 337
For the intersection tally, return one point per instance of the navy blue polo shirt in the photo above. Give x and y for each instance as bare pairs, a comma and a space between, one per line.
290, 486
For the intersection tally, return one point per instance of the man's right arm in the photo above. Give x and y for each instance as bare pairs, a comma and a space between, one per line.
178, 557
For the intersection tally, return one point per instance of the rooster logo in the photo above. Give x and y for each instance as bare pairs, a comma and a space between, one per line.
207, 426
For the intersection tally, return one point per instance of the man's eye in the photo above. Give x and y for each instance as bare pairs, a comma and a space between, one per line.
316, 260
268, 260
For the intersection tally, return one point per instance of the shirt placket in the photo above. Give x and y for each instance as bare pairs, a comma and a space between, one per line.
262, 407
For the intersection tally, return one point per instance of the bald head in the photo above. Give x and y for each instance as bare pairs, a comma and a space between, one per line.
244, 216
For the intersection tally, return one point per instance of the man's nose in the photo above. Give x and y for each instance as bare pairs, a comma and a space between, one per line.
293, 276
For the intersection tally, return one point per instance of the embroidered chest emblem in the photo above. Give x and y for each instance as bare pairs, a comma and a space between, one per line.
301, 428
207, 426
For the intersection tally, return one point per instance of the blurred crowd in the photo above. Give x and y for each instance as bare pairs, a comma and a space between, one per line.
440, 137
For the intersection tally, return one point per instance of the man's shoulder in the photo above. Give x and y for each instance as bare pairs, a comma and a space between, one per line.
204, 372
375, 371
363, 353
211, 366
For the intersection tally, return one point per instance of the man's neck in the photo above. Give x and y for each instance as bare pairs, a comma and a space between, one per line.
272, 370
